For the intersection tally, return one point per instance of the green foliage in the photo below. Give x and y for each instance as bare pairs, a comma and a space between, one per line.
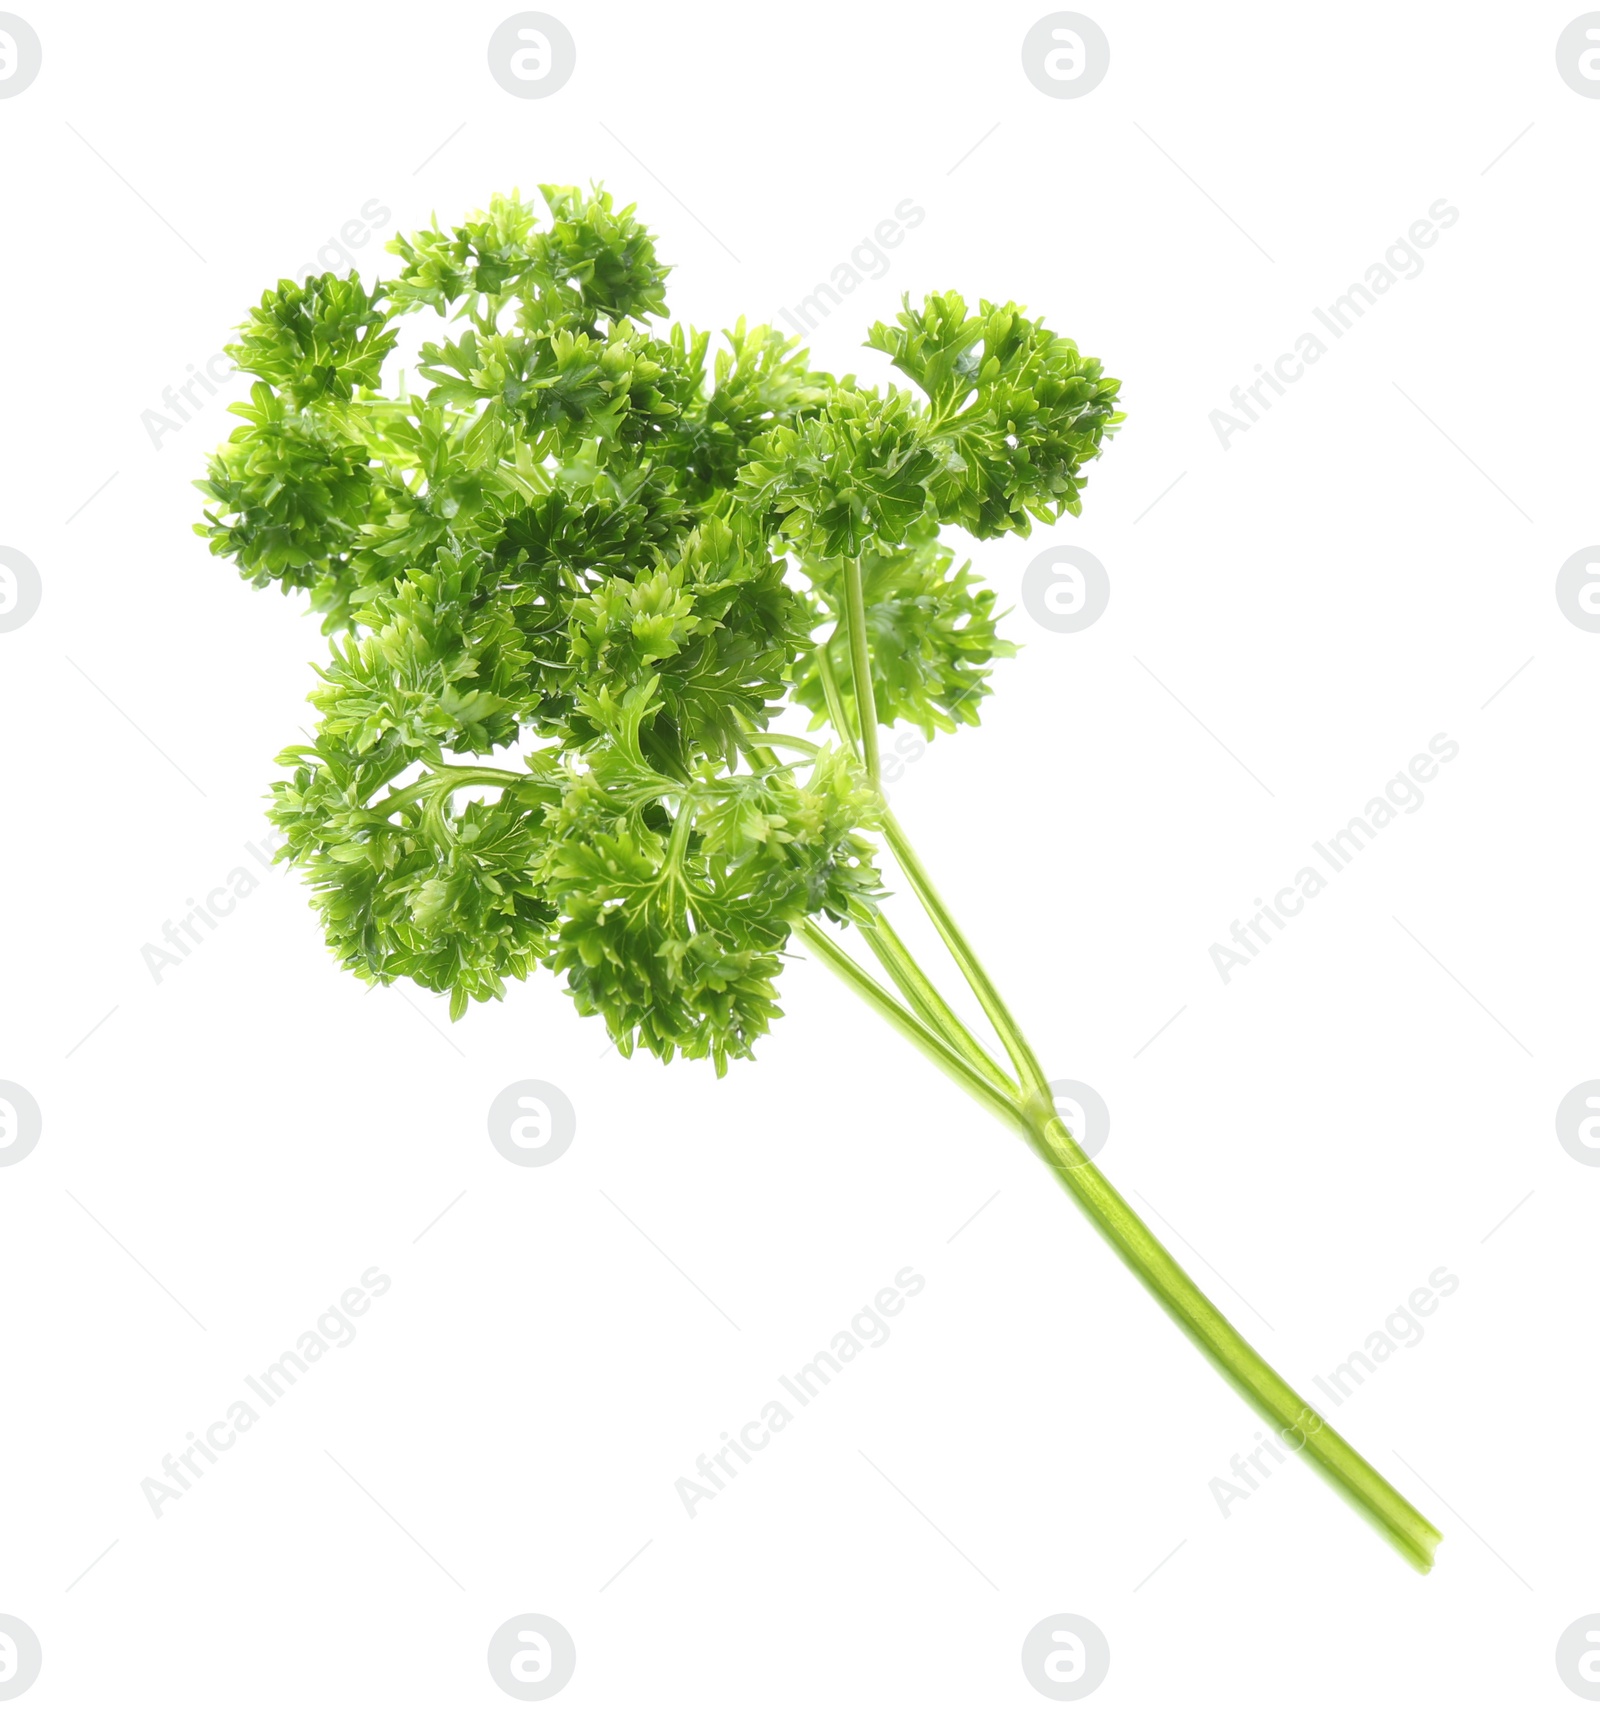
932, 632
594, 262
589, 538
318, 341
1015, 411
290, 496
858, 472
672, 932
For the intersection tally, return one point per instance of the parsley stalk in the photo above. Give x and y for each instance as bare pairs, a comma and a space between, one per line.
861, 667
1031, 1111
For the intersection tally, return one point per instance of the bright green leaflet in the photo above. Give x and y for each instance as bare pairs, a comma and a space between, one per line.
590, 537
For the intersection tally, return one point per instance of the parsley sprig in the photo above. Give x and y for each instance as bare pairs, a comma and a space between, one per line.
585, 578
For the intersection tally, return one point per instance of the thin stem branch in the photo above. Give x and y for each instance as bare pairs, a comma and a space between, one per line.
861, 667
784, 741
929, 1004
450, 779
995, 1008
832, 696
916, 1032
682, 825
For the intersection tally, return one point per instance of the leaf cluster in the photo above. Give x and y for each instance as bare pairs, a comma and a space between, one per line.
573, 575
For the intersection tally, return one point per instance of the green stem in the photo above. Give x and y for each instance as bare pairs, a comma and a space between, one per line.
832, 696
1295, 1422
946, 1041
784, 742
861, 667
451, 779
929, 1004
678, 843
998, 1013
917, 1033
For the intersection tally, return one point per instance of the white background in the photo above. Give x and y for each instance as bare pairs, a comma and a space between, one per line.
1359, 1106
